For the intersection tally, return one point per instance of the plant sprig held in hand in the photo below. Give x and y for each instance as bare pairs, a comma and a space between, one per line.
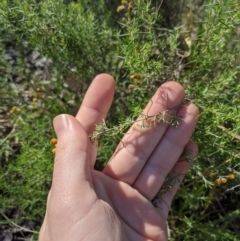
145, 120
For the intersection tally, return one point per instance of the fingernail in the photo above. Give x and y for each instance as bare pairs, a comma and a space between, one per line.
61, 123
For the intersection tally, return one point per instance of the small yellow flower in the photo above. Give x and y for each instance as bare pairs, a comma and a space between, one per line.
35, 100
53, 141
54, 150
124, 2
120, 8
130, 7
38, 89
12, 109
218, 182
231, 176
131, 87
211, 175
135, 76
137, 82
224, 180
132, 77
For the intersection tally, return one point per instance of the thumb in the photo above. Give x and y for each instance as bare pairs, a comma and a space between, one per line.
71, 174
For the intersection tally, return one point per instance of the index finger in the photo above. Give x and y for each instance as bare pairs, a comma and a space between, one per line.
97, 102
95, 106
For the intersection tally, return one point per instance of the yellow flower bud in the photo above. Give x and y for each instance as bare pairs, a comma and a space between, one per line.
131, 87
54, 150
120, 8
53, 141
211, 175
224, 180
130, 7
218, 182
12, 109
231, 176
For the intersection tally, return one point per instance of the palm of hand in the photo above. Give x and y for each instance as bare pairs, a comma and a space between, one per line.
115, 204
130, 213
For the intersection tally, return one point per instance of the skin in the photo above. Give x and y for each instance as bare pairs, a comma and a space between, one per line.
115, 204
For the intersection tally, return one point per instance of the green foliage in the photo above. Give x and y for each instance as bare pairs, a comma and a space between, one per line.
26, 158
25, 180
142, 48
65, 33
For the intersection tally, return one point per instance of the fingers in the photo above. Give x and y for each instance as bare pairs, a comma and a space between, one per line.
71, 175
97, 102
167, 153
131, 156
178, 172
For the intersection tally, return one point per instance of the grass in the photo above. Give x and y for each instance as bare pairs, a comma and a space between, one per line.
83, 40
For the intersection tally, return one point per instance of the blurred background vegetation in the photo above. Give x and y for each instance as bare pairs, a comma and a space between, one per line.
51, 50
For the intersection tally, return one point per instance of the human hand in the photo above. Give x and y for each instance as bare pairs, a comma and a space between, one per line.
115, 204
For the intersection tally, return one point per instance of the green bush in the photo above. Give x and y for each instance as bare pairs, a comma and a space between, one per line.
199, 48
